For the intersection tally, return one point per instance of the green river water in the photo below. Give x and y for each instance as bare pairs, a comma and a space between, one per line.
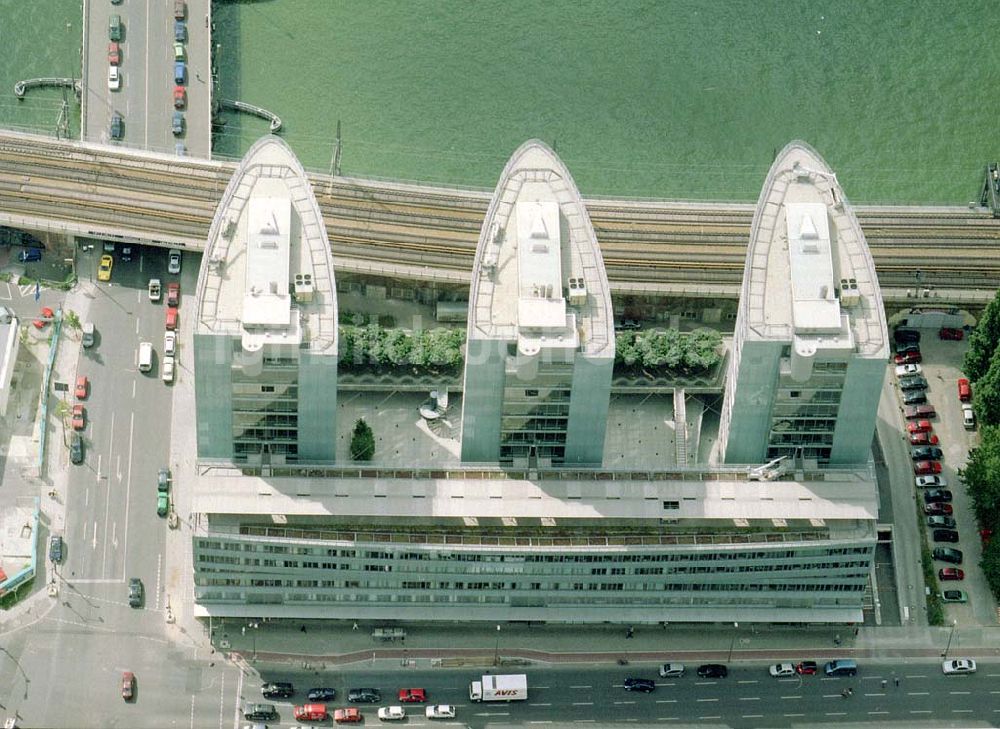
665, 99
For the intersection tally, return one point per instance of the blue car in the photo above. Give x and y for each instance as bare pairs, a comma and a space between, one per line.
180, 72
180, 31
30, 254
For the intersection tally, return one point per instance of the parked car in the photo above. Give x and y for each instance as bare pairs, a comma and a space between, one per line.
806, 668
30, 255
45, 316
180, 72
919, 426
76, 449
347, 715
958, 665
964, 390
79, 419
310, 712
915, 397
781, 670
169, 344
364, 696
968, 417
177, 123
135, 592
956, 335
173, 294
907, 347
925, 438
947, 554
941, 522
117, 130
919, 411
273, 689
391, 713
932, 495
180, 9
841, 667
82, 387
950, 574
938, 508
114, 78
170, 321
179, 54
954, 596
671, 670
925, 453
321, 694
920, 467
154, 289
173, 261
180, 97
945, 535
412, 696
162, 504
114, 53
168, 368
906, 335
440, 711
712, 670
259, 712
643, 685
55, 549
163, 486
128, 685
104, 269
909, 357
907, 370
913, 382
180, 31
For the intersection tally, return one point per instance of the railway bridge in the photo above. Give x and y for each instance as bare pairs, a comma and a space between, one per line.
403, 231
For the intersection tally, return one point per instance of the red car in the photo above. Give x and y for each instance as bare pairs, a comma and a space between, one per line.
922, 468
310, 712
82, 387
350, 715
908, 358
913, 412
950, 333
44, 318
79, 417
412, 696
128, 685
114, 54
964, 390
919, 426
806, 668
950, 573
173, 294
171, 323
938, 509
180, 97
923, 438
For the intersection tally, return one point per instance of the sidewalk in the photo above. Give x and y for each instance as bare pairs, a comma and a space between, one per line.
483, 645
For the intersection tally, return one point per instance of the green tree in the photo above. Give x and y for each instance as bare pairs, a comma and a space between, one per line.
982, 477
703, 350
362, 441
72, 320
990, 564
983, 341
986, 397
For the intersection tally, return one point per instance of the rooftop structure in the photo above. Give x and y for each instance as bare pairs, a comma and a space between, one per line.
266, 332
810, 345
541, 335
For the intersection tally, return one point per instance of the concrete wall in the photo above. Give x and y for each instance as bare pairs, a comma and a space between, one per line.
588, 410
852, 436
213, 357
317, 407
752, 398
482, 399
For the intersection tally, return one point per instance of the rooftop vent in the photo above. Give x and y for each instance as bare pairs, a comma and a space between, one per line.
303, 287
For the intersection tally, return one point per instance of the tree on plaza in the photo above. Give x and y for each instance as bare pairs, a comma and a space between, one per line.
990, 564
986, 398
982, 477
362, 441
983, 341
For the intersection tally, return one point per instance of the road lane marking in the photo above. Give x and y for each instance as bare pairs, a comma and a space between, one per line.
920, 711
877, 713
790, 698
582, 703
107, 499
707, 700
710, 718
574, 687
128, 483
93, 541
159, 571
836, 713
918, 693
959, 693
961, 711
792, 716
741, 682
539, 704
666, 701
753, 716
749, 698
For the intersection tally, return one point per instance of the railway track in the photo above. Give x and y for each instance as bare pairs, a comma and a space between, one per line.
397, 224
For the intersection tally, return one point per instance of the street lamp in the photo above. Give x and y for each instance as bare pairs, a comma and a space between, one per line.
496, 650
253, 636
732, 643
950, 636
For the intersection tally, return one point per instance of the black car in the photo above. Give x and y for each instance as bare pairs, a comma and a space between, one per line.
936, 496
914, 382
277, 690
117, 124
926, 453
945, 535
321, 694
640, 684
906, 336
712, 670
364, 696
260, 712
76, 449
915, 397
945, 554
55, 548
907, 348
135, 592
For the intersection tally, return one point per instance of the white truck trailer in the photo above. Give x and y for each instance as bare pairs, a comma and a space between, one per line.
509, 687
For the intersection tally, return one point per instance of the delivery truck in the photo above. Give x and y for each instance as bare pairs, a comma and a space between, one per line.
510, 687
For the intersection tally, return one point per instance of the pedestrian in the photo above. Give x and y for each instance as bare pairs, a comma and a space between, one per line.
302, 629
884, 684
897, 681
355, 626
856, 632
630, 632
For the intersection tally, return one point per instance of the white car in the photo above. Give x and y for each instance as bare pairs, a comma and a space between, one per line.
930, 482
671, 670
168, 369
968, 416
907, 369
170, 344
174, 261
154, 289
392, 713
114, 78
959, 665
782, 670
441, 711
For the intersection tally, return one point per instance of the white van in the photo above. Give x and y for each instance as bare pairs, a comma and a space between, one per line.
145, 356
88, 334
